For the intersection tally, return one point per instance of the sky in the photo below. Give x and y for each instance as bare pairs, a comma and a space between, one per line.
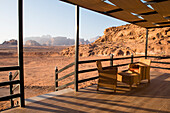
51, 17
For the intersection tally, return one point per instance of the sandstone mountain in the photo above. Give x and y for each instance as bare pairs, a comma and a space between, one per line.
10, 42
124, 40
32, 43
47, 40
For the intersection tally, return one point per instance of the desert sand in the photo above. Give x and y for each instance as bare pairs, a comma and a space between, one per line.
39, 69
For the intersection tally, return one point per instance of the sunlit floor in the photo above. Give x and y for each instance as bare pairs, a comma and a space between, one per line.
153, 97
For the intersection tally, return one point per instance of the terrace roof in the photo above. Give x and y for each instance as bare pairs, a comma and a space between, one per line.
148, 14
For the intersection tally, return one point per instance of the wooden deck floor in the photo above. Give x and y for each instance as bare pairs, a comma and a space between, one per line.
147, 98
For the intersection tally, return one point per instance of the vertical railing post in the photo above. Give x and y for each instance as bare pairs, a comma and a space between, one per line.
56, 78
20, 52
76, 47
146, 45
132, 58
111, 60
11, 87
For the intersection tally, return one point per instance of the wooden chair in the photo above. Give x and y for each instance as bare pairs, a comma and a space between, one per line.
107, 77
143, 68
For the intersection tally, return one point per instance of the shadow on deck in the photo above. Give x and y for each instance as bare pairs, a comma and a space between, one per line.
153, 97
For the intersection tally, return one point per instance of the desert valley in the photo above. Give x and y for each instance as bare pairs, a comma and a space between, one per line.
40, 59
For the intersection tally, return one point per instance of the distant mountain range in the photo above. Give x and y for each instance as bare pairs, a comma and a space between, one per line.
47, 40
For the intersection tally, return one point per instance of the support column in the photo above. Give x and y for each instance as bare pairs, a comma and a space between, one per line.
76, 47
20, 52
146, 45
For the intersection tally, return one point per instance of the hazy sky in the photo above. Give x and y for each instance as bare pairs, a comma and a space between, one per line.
51, 17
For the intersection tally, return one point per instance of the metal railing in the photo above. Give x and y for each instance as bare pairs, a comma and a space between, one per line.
64, 77
11, 82
13, 88
111, 59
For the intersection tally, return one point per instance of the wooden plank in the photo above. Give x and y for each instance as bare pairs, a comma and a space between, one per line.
66, 85
15, 87
15, 75
66, 67
122, 58
9, 82
9, 68
90, 61
64, 76
160, 67
88, 79
160, 62
10, 97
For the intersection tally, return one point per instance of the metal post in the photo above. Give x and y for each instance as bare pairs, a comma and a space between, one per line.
76, 47
146, 45
111, 60
11, 91
56, 78
20, 52
132, 58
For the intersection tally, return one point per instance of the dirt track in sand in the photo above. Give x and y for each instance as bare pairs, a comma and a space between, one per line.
40, 68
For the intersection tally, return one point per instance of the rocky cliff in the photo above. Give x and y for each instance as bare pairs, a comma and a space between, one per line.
124, 40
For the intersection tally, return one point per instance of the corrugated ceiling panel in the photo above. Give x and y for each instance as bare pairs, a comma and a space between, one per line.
162, 8
154, 18
134, 6
145, 24
126, 16
96, 5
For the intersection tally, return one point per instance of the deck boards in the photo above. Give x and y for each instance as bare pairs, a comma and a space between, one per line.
147, 98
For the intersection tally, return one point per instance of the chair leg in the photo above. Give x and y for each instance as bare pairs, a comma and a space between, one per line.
97, 87
130, 87
148, 80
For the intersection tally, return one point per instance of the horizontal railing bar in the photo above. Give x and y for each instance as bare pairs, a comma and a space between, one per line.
119, 65
94, 69
160, 62
10, 97
88, 70
16, 86
88, 79
9, 68
160, 67
108, 59
160, 57
65, 76
122, 58
90, 61
63, 86
9, 82
66, 67
15, 75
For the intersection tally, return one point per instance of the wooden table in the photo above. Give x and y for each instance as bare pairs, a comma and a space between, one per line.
128, 77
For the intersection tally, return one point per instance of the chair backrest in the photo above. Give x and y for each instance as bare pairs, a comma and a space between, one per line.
145, 61
99, 65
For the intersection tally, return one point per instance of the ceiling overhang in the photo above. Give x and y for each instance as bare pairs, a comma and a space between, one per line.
148, 14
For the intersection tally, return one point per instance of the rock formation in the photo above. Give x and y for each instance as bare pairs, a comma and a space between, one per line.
10, 42
32, 43
124, 40
47, 40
